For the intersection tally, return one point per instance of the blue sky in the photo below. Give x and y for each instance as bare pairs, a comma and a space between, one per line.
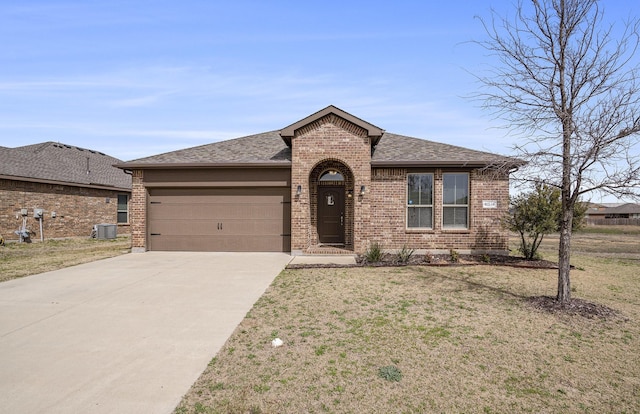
138, 78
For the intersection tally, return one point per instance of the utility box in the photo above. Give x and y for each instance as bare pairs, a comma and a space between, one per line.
106, 231
37, 213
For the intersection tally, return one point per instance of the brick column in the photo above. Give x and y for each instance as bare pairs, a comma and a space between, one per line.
137, 212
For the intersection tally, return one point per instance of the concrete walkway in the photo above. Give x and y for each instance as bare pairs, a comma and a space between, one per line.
123, 335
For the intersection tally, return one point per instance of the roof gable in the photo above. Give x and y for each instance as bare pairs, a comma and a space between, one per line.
372, 131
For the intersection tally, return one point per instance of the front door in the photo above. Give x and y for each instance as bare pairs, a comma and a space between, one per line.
331, 215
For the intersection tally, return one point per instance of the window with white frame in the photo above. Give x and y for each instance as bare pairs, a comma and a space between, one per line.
420, 201
455, 201
123, 208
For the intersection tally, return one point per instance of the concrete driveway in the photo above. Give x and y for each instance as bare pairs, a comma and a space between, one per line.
123, 335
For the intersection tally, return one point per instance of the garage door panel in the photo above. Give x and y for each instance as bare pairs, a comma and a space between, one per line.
252, 227
216, 243
185, 227
225, 228
219, 219
202, 194
170, 211
218, 199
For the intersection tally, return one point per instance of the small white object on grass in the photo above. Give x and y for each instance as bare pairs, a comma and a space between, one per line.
276, 342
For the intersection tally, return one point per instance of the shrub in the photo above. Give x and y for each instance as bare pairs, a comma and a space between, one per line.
374, 253
537, 213
404, 254
455, 256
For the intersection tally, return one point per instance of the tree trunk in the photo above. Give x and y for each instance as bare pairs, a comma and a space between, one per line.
565, 115
564, 257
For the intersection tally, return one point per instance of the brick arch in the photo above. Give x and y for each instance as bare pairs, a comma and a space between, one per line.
348, 183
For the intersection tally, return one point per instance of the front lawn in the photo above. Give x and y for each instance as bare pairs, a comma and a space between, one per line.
431, 339
24, 259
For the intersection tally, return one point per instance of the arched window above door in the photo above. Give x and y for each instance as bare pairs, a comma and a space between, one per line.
331, 175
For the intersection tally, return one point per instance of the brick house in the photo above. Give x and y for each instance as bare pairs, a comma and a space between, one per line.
75, 188
330, 182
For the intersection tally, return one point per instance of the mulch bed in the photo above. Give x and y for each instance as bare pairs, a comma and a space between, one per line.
578, 307
390, 260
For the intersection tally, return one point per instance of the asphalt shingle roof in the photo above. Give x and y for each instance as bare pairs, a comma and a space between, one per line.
57, 162
394, 148
269, 148
629, 208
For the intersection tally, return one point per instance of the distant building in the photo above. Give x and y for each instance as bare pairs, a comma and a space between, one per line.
73, 188
629, 210
596, 211
609, 211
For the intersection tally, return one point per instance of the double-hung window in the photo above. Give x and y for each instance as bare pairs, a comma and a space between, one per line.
420, 201
123, 208
455, 201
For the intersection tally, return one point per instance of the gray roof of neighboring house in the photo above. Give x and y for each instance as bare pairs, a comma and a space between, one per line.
616, 208
65, 164
269, 149
629, 208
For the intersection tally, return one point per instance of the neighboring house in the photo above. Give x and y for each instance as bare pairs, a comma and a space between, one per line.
613, 211
626, 211
75, 188
328, 183
596, 211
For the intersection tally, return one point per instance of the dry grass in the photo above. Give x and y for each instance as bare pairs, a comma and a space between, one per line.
24, 259
615, 241
463, 338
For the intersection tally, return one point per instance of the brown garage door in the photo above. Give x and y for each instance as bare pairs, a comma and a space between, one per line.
220, 219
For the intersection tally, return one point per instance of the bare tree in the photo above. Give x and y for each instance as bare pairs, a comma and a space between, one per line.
569, 85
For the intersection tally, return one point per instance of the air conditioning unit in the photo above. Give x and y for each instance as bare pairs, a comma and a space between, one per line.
106, 231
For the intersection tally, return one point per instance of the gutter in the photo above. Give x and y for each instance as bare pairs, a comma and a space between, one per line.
429, 164
67, 183
445, 163
175, 165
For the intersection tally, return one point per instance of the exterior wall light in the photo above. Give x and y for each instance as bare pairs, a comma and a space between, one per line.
298, 190
362, 190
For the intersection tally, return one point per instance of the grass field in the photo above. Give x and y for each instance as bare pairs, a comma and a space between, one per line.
24, 259
436, 339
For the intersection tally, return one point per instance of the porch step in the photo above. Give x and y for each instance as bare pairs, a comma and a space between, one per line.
328, 250
341, 259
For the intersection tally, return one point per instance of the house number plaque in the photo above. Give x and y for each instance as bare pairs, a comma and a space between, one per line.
489, 203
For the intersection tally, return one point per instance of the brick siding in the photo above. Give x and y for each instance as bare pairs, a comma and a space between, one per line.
380, 214
138, 212
77, 209
484, 233
329, 142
